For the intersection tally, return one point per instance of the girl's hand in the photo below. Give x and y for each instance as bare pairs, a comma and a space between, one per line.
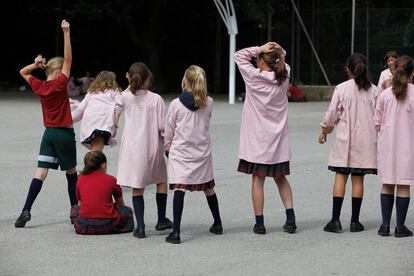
40, 62
268, 47
65, 26
322, 138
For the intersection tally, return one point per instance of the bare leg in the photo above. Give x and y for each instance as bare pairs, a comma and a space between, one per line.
285, 191
97, 144
258, 194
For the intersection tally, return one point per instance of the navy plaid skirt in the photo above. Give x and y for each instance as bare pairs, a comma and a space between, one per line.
123, 223
98, 133
193, 187
262, 170
352, 171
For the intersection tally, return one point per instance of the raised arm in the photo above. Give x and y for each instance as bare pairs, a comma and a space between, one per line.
67, 49
26, 71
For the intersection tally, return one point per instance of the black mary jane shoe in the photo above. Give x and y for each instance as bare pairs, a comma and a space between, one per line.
402, 232
333, 226
216, 229
139, 233
289, 228
24, 217
259, 229
164, 225
384, 230
174, 238
356, 227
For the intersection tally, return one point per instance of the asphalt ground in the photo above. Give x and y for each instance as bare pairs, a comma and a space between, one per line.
48, 244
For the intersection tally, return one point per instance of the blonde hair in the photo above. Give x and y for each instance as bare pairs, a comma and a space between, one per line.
196, 79
104, 80
53, 64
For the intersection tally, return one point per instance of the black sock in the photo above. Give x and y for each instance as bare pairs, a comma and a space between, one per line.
336, 207
387, 202
72, 180
401, 206
161, 205
178, 205
290, 216
214, 208
34, 190
260, 220
356, 207
138, 203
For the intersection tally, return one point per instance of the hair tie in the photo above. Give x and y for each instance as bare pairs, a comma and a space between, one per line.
401, 66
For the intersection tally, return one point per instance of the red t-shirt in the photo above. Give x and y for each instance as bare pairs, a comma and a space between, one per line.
95, 191
54, 99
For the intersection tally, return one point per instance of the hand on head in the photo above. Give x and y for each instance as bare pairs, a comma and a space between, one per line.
40, 62
269, 47
65, 26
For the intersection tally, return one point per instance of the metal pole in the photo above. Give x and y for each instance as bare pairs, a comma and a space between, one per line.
310, 42
232, 69
353, 27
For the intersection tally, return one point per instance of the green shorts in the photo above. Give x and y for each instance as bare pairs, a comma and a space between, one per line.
58, 148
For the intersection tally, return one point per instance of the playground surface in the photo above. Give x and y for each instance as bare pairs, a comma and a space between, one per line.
48, 244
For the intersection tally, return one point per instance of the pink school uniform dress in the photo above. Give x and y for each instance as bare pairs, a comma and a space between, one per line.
187, 141
394, 121
264, 142
385, 75
97, 112
141, 153
351, 113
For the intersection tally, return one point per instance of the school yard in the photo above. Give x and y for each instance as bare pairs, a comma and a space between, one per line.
48, 244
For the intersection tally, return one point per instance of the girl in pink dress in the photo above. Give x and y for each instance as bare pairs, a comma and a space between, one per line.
141, 154
188, 147
353, 150
394, 121
264, 141
97, 112
386, 76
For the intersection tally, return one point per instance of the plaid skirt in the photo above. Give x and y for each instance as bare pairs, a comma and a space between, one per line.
123, 223
262, 170
193, 187
352, 171
98, 133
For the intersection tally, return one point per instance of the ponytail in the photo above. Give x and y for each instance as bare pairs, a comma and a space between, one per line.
403, 69
275, 62
93, 161
140, 77
196, 78
357, 65
52, 65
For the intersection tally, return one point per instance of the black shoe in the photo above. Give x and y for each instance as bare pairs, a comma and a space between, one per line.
139, 233
356, 227
384, 230
401, 232
74, 213
289, 228
333, 226
164, 225
216, 229
173, 237
22, 219
259, 229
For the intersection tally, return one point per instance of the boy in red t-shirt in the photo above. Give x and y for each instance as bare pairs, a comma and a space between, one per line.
58, 146
96, 191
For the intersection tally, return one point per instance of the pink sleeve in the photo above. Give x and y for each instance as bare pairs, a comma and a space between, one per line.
161, 116
170, 126
243, 59
379, 109
77, 114
333, 113
119, 105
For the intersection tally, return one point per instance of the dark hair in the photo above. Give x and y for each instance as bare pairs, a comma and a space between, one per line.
404, 67
389, 54
357, 65
140, 77
93, 161
275, 62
